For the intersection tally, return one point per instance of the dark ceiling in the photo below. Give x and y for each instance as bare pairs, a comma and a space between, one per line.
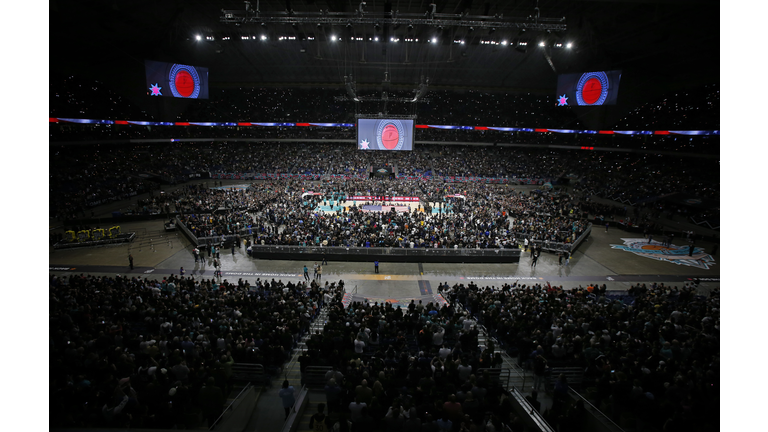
659, 45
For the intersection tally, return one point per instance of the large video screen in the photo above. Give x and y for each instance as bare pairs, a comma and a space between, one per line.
176, 80
588, 88
382, 134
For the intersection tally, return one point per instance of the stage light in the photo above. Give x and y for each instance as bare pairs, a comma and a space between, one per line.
198, 37
434, 40
569, 45
263, 37
376, 39
503, 42
333, 38
541, 44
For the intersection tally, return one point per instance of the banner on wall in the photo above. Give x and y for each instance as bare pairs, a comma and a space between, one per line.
383, 198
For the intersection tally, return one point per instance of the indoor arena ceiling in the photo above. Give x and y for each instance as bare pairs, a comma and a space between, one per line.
658, 44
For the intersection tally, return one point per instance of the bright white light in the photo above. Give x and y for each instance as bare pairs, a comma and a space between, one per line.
462, 42
541, 43
263, 37
504, 42
376, 39
568, 45
434, 40
333, 38
198, 37
244, 37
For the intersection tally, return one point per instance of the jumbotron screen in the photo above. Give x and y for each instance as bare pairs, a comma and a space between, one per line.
588, 88
176, 80
384, 134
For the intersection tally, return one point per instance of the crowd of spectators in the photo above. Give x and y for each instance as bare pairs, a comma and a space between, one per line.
413, 368
488, 216
696, 108
148, 353
88, 176
652, 353
75, 97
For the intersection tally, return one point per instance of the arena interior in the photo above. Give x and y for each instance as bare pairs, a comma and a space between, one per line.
454, 216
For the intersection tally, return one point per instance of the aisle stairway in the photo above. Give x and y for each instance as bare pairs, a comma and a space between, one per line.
269, 415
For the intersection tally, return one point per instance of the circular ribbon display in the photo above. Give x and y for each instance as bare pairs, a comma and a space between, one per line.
592, 88
184, 81
390, 135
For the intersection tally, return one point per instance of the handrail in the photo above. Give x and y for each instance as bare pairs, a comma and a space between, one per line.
537, 418
599, 415
228, 408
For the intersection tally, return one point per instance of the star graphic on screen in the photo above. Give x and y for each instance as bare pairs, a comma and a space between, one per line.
155, 90
364, 145
562, 100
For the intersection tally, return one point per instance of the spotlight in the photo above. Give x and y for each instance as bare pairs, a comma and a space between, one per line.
376, 39
569, 45
434, 40
503, 42
542, 43
263, 37
198, 37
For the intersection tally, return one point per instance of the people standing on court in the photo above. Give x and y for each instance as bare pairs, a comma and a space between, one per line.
376, 266
130, 261
306, 273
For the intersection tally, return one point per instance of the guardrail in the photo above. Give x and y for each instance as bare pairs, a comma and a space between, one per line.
314, 376
236, 416
250, 372
393, 251
605, 423
562, 247
529, 414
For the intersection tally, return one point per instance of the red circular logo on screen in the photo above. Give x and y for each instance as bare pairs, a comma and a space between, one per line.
591, 91
592, 88
390, 136
184, 83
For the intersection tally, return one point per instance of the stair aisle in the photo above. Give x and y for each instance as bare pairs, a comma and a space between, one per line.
269, 415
